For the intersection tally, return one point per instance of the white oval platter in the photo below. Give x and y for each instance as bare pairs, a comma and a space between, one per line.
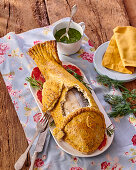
97, 61
64, 145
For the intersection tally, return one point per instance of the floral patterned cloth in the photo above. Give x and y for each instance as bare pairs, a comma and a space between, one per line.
16, 65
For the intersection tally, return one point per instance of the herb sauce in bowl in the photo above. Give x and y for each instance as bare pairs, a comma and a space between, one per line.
74, 36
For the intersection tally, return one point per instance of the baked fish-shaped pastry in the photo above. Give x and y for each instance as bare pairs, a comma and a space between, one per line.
77, 118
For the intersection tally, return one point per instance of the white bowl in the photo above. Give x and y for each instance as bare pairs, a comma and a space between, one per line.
71, 48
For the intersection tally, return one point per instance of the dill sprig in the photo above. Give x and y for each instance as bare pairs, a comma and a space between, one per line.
121, 105
106, 81
129, 94
79, 77
34, 83
113, 99
52, 123
110, 130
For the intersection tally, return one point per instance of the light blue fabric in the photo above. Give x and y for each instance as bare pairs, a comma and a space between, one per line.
16, 65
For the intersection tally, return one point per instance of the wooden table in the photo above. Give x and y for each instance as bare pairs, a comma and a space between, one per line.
18, 16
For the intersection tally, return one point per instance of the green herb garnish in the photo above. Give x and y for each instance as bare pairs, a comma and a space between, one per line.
52, 123
80, 78
121, 105
106, 81
110, 130
128, 94
34, 83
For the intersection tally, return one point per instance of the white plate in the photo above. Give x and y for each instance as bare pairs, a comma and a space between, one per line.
98, 56
65, 146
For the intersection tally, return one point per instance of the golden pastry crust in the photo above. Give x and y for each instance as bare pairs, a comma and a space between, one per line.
50, 94
83, 137
83, 129
86, 124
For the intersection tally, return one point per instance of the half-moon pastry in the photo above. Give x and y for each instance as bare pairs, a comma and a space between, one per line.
77, 118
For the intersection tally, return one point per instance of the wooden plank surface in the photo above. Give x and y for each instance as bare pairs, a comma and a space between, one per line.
100, 17
15, 16
18, 16
130, 6
22, 15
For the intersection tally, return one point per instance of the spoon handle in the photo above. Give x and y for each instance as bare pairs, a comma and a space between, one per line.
73, 11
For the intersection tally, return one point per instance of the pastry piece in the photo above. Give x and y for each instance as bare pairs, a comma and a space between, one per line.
77, 117
87, 128
50, 94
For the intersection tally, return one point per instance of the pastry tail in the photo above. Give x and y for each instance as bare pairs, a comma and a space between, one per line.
44, 55
45, 52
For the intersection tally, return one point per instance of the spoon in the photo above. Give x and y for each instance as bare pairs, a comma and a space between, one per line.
73, 11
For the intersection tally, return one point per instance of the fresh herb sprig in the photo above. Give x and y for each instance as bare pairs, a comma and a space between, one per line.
78, 77
121, 105
52, 123
106, 81
34, 83
110, 130
131, 95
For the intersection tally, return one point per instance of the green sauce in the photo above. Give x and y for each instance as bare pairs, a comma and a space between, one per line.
74, 36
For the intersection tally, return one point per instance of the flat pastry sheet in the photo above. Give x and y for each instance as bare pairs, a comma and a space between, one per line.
16, 65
